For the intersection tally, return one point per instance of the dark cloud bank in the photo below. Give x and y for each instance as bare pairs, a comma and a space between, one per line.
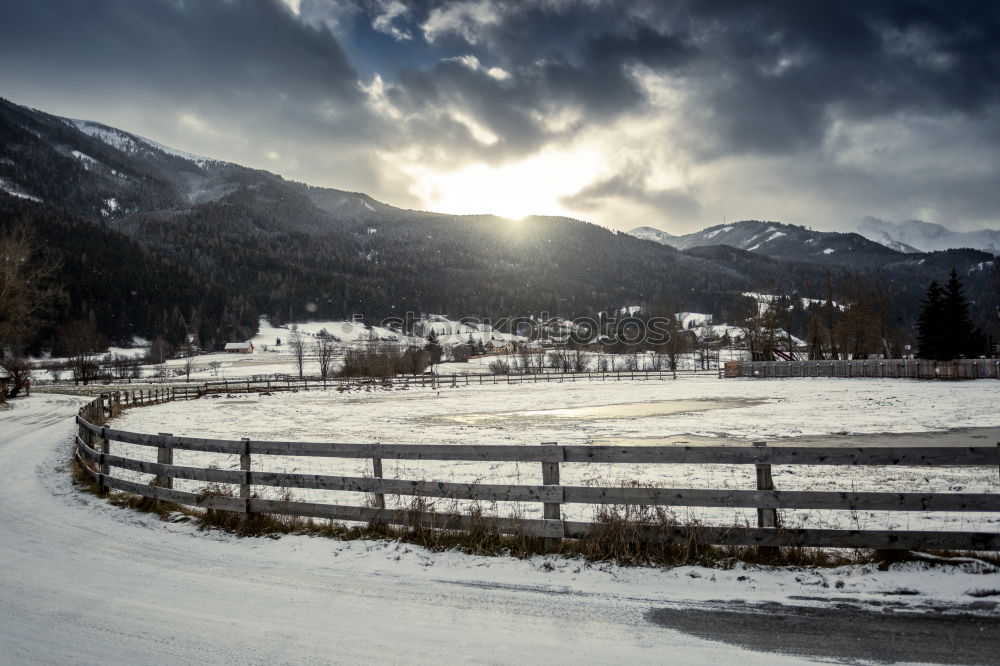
810, 112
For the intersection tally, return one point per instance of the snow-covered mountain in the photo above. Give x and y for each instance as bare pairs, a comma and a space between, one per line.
649, 233
778, 240
920, 236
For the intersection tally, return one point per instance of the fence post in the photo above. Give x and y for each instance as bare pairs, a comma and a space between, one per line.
244, 519
551, 510
765, 517
377, 474
105, 469
165, 456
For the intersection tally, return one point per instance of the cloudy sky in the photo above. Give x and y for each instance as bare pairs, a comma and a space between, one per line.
670, 114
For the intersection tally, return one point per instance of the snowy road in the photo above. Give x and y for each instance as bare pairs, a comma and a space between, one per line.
84, 582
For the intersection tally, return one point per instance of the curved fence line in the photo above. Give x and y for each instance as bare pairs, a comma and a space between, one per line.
94, 456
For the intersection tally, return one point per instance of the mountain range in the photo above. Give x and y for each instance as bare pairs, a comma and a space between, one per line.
917, 236
158, 242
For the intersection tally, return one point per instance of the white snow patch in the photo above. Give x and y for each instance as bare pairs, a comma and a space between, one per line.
693, 319
131, 144
981, 266
87, 160
829, 250
15, 190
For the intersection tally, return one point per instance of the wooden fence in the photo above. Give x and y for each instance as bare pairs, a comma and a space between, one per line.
269, 384
93, 453
889, 368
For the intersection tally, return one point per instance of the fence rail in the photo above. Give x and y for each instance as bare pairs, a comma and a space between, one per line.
882, 368
94, 437
263, 383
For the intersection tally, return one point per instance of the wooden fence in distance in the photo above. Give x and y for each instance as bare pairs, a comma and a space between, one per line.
154, 394
93, 453
985, 368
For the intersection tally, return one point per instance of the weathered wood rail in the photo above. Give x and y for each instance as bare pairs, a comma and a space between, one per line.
284, 382
154, 394
983, 368
94, 456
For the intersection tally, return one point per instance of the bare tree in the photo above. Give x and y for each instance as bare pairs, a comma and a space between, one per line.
759, 325
324, 350
678, 341
82, 343
159, 351
19, 376
188, 367
26, 288
298, 347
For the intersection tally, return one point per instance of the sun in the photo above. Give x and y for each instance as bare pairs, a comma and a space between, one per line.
515, 190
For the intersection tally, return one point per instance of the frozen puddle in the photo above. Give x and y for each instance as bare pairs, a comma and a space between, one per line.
627, 410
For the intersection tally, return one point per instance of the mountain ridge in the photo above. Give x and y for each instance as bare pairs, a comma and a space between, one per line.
261, 244
922, 236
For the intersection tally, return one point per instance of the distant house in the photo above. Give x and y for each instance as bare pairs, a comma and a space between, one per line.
239, 347
500, 347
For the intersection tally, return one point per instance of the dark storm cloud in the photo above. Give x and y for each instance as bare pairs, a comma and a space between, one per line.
766, 76
179, 47
491, 81
760, 78
630, 185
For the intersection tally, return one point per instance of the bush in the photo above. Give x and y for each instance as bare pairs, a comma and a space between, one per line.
384, 360
499, 367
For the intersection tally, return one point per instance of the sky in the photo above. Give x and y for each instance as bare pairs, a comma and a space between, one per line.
676, 115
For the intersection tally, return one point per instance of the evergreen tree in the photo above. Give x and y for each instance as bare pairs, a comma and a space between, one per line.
932, 340
962, 337
433, 347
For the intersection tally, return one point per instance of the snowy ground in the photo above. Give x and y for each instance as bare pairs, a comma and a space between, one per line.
85, 582
691, 410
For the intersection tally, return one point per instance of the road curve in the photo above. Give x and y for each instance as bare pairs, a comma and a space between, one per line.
84, 582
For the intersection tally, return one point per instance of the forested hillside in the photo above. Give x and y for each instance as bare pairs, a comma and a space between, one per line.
153, 242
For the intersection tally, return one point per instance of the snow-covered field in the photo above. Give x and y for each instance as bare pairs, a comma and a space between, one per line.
691, 410
85, 582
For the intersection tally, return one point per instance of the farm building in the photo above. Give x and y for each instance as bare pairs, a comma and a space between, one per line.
239, 347
501, 346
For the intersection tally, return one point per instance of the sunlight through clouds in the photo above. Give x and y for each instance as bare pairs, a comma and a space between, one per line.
514, 190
